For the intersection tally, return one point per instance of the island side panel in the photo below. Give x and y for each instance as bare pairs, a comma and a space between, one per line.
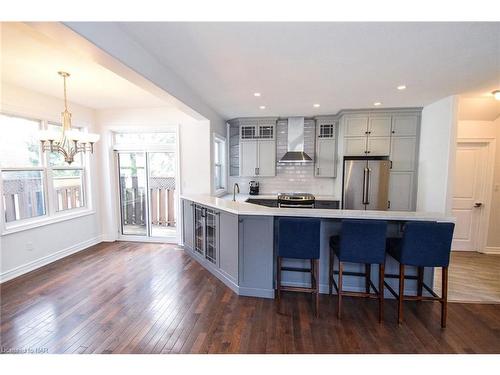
256, 256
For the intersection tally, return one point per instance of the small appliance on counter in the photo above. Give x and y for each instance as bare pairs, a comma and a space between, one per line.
254, 188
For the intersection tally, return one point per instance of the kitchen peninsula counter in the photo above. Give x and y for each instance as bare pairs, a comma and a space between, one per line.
235, 241
241, 207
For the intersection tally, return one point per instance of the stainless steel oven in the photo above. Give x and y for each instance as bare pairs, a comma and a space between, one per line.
296, 200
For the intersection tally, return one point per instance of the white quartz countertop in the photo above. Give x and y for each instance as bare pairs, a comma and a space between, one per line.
240, 207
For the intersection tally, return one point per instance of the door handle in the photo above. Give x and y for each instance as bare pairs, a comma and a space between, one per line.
477, 204
368, 170
365, 186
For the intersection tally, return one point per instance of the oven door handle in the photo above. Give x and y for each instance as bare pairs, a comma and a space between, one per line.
285, 205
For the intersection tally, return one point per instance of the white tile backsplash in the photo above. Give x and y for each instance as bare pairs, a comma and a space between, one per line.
291, 177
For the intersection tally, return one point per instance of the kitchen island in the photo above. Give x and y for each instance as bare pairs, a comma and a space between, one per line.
235, 241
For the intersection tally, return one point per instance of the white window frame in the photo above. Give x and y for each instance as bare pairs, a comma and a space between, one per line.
51, 215
219, 190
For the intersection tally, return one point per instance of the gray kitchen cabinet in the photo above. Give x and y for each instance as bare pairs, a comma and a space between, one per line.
188, 224
257, 158
355, 125
266, 158
325, 158
228, 249
256, 258
405, 125
403, 153
367, 135
379, 126
378, 146
355, 146
248, 158
326, 148
401, 187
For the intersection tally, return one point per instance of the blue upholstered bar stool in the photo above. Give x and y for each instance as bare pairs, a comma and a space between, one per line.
360, 241
299, 238
424, 244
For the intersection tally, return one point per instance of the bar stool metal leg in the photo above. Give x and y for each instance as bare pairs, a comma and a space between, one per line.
339, 301
381, 271
401, 292
444, 296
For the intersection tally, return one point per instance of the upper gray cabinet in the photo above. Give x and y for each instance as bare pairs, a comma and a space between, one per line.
367, 135
405, 125
326, 148
355, 125
255, 152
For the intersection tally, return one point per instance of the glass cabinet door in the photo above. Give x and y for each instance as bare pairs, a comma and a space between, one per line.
211, 243
199, 229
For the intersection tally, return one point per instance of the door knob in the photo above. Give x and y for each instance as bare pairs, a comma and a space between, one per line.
478, 204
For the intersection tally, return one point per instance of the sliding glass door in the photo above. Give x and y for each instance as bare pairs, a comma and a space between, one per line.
147, 194
133, 191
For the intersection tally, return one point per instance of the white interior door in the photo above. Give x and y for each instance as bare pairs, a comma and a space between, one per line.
468, 197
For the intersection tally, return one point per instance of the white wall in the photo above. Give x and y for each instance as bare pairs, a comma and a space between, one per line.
437, 156
113, 40
194, 151
58, 239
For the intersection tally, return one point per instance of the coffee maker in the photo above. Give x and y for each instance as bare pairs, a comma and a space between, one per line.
254, 187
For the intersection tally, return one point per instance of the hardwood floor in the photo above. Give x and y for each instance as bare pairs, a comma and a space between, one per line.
473, 277
150, 298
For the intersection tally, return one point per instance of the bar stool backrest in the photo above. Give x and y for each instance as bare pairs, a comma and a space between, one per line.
298, 238
427, 243
363, 241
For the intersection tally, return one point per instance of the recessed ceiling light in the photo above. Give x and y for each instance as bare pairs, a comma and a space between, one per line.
262, 107
496, 94
401, 87
256, 94
377, 104
316, 105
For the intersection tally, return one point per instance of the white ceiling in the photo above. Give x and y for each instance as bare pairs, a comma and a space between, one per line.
32, 60
338, 65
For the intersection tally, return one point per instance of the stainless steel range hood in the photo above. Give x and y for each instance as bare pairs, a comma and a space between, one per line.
295, 151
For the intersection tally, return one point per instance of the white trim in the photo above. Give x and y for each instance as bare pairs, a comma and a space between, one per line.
33, 265
484, 220
47, 220
491, 250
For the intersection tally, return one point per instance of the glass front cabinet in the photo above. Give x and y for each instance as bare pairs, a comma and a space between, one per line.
206, 233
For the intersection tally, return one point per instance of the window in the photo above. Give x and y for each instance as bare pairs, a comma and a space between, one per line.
36, 184
219, 163
159, 138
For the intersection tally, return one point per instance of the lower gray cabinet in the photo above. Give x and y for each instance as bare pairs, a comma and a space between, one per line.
188, 224
228, 245
256, 243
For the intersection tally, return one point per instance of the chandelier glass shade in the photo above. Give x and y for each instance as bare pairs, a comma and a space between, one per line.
67, 142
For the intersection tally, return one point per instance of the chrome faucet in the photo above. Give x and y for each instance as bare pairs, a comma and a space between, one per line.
235, 187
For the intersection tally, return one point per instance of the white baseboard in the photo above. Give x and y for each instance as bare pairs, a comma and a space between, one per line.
491, 250
33, 265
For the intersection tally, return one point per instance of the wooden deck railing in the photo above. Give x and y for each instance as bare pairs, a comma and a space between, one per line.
162, 197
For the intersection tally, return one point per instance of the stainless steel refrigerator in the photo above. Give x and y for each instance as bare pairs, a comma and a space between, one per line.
366, 184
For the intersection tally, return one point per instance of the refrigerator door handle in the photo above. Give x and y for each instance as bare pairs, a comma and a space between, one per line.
366, 186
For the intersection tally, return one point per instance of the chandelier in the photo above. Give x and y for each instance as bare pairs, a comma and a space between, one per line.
67, 142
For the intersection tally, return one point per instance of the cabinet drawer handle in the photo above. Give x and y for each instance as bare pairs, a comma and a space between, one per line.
368, 152
317, 171
393, 132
